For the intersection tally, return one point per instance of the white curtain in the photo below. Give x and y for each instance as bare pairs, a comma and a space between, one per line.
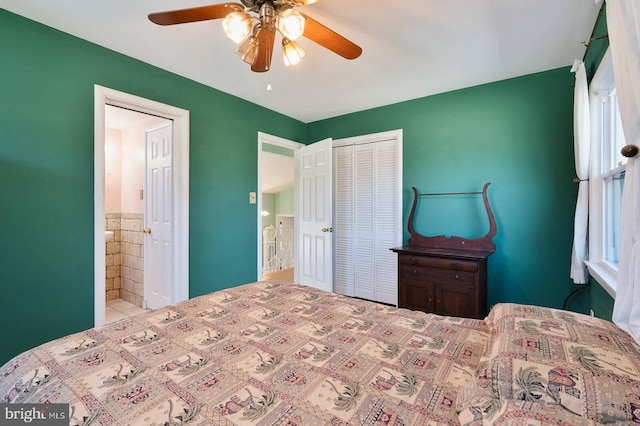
623, 22
582, 148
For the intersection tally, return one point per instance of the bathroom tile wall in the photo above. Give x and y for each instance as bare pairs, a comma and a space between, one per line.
112, 259
125, 258
132, 258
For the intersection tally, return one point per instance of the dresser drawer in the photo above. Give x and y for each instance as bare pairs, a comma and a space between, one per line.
438, 262
436, 275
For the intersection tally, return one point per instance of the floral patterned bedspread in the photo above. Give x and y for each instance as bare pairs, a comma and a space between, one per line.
268, 353
548, 366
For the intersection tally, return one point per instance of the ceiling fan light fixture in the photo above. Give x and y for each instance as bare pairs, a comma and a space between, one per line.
292, 53
248, 50
291, 24
237, 26
254, 25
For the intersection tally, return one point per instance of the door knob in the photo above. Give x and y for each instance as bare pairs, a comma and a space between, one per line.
329, 229
147, 230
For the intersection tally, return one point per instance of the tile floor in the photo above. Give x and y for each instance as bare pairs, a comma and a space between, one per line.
119, 309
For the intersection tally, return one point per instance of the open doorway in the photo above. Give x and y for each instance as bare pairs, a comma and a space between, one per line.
167, 132
276, 207
126, 197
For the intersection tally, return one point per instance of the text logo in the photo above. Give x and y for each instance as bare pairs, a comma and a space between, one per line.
34, 414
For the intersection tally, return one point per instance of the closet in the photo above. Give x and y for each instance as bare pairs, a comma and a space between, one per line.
367, 215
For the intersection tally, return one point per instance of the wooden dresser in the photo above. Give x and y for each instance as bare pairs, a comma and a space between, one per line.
445, 275
448, 282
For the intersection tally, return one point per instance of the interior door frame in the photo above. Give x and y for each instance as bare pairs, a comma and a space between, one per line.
284, 143
180, 181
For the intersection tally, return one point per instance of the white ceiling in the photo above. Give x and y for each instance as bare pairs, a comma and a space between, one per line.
410, 49
278, 172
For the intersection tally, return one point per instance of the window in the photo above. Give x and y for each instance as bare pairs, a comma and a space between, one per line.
607, 173
613, 176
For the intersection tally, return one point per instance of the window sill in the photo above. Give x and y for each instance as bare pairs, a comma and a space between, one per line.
605, 276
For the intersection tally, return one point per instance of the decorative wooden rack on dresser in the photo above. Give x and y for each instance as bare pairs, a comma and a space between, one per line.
445, 276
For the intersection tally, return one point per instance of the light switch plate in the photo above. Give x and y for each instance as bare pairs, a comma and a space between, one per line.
252, 198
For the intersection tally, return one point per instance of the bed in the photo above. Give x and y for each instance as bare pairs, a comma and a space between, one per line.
275, 353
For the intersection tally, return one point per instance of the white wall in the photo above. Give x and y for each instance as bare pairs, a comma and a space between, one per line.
124, 166
133, 168
113, 170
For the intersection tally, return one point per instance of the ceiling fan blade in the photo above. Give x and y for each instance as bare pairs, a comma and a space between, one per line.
194, 14
325, 37
266, 40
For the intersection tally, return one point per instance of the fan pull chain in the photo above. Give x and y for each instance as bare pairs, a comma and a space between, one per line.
270, 56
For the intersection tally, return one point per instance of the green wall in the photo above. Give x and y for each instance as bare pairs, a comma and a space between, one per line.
46, 172
598, 300
599, 45
275, 149
516, 134
275, 204
269, 204
284, 202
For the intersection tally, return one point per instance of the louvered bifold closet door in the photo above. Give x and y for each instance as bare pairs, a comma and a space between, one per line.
364, 222
366, 208
387, 211
343, 220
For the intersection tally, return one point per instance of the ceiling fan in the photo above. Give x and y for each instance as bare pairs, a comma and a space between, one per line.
253, 25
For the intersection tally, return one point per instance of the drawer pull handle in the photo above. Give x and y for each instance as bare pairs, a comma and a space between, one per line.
414, 272
458, 277
431, 299
413, 260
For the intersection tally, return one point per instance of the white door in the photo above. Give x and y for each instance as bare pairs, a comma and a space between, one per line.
315, 212
158, 261
377, 222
